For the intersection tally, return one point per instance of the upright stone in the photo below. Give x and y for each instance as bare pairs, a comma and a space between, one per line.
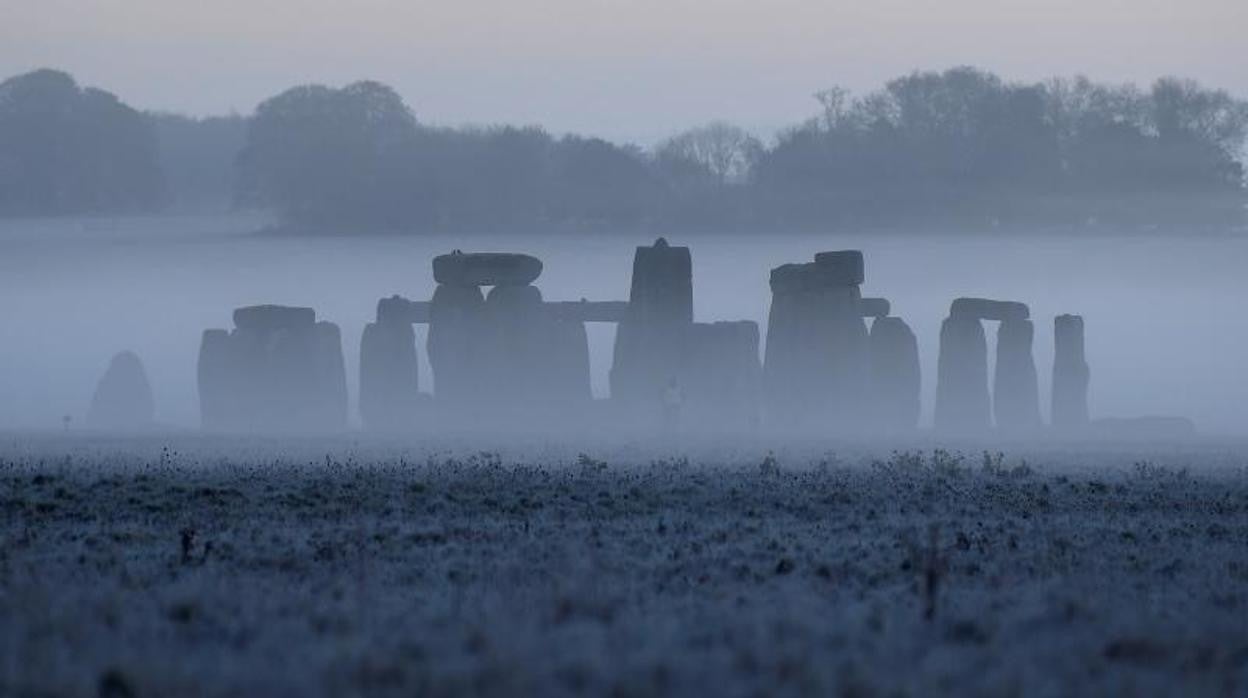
895, 375
817, 367
1016, 394
649, 340
1070, 374
216, 381
515, 353
962, 400
123, 397
454, 343
389, 375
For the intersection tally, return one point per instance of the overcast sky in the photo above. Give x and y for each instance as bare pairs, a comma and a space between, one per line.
625, 69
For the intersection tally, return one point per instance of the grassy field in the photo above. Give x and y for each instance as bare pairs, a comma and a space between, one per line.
197, 566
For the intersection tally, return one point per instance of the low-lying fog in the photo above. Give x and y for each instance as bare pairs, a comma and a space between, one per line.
1166, 333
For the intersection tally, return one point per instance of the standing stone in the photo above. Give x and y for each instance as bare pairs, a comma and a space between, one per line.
389, 375
278, 370
962, 401
817, 366
1070, 374
648, 341
895, 375
455, 343
1016, 393
515, 351
123, 397
330, 378
215, 379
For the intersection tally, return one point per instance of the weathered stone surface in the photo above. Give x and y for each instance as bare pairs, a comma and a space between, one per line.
273, 317
123, 397
486, 269
455, 343
389, 376
895, 375
1015, 392
963, 404
649, 340
841, 267
875, 307
985, 309
1070, 374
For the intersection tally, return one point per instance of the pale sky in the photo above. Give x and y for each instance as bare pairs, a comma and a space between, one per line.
625, 69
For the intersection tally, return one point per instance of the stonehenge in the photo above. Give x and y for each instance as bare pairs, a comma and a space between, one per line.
833, 361
1070, 374
123, 397
278, 369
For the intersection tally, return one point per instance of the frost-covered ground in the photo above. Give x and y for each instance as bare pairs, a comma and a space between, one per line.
197, 566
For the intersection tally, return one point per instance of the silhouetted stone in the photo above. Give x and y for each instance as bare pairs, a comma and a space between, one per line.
1015, 392
962, 401
123, 397
895, 374
216, 381
389, 375
1070, 374
486, 269
273, 317
985, 309
515, 352
841, 267
875, 307
648, 341
398, 310
275, 372
455, 343
817, 367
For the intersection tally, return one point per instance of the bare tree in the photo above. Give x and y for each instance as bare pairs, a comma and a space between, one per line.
718, 151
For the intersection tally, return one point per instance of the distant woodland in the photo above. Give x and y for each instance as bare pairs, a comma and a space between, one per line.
959, 149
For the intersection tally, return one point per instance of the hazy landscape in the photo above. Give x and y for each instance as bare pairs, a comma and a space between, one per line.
641, 348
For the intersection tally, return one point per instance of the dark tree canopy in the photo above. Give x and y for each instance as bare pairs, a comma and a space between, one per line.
959, 149
71, 150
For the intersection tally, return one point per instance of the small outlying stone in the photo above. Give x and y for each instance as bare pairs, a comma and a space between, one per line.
486, 269
123, 398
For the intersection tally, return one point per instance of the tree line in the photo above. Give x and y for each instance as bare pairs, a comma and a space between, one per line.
955, 148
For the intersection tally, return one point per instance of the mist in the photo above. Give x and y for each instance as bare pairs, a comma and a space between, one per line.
1159, 341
